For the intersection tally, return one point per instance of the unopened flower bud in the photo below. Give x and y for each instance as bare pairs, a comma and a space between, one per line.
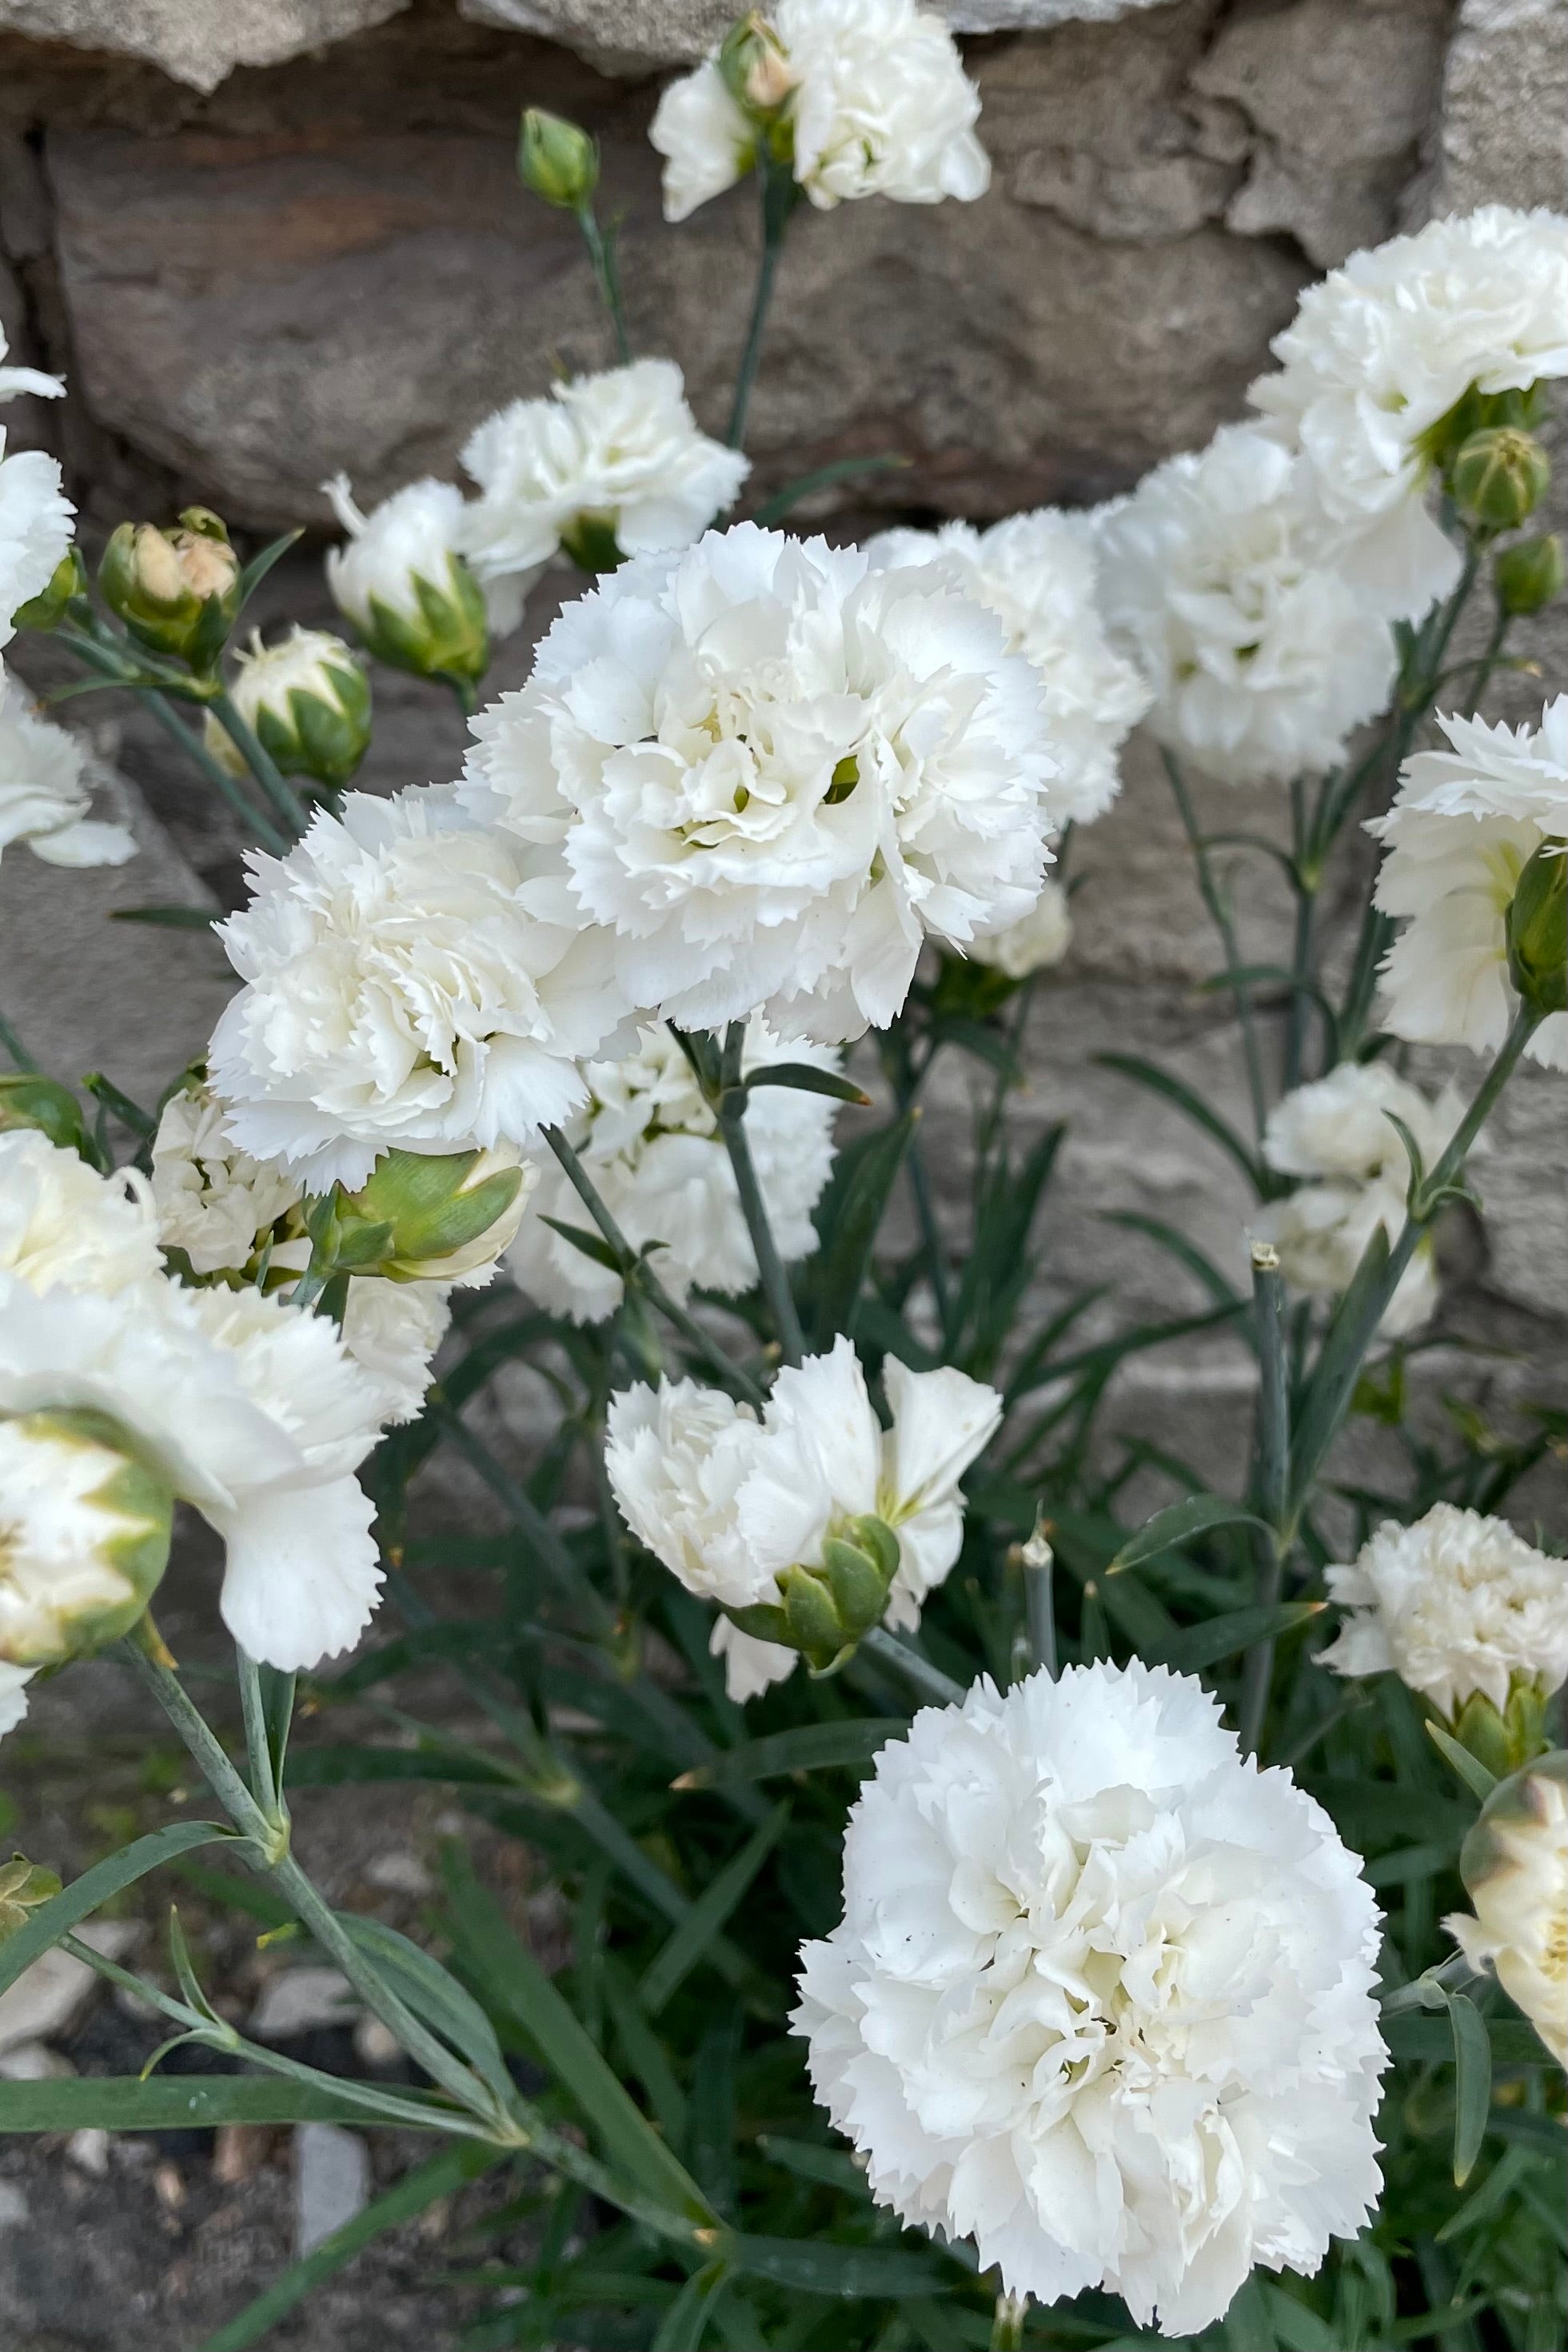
306, 700
824, 1611
556, 159
1528, 576
23, 1884
28, 1100
1499, 477
424, 1218
1538, 930
755, 66
85, 1522
48, 609
402, 583
177, 591
1514, 1864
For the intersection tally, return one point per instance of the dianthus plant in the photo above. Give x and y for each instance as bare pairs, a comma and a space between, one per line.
997, 1915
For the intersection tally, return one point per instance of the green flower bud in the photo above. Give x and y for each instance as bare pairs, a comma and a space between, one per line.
23, 1884
755, 66
1499, 477
85, 1522
306, 700
1528, 575
1504, 1742
556, 159
177, 592
1538, 930
48, 609
419, 1218
824, 1611
26, 1100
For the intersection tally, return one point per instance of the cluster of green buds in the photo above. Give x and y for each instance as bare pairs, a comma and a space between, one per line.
30, 1099
421, 1217
824, 1611
1538, 930
86, 1517
306, 702
177, 592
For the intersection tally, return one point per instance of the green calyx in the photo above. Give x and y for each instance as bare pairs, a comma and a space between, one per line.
1499, 476
23, 1886
28, 1100
177, 592
1528, 576
323, 734
124, 1524
1537, 930
1506, 1741
448, 636
824, 1611
420, 1217
590, 540
48, 608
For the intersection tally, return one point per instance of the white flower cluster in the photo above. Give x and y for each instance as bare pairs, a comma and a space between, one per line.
727, 1501
652, 1150
1102, 1996
1462, 827
1455, 1604
1382, 350
256, 1415
876, 102
1338, 1135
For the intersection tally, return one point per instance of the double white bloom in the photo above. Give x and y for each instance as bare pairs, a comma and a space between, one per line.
774, 773
1102, 1996
1261, 655
728, 1502
43, 800
1378, 354
652, 1149
1338, 1135
606, 463
1463, 826
877, 100
1457, 1603
1037, 573
253, 1413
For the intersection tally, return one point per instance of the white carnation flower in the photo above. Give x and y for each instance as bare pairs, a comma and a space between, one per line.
775, 773
611, 457
878, 105
62, 1224
43, 799
15, 381
404, 987
1382, 350
1037, 941
1320, 1234
35, 529
412, 539
1102, 1999
1515, 1866
1261, 655
1454, 1605
214, 1202
392, 1330
1463, 826
1037, 573
652, 1148
728, 1504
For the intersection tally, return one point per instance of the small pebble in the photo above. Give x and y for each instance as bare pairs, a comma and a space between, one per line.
13, 2206
298, 2000
375, 2045
35, 2061
170, 2187
331, 2182
88, 2149
399, 1874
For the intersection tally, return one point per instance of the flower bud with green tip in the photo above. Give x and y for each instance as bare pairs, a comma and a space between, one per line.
1499, 477
1528, 576
421, 1217
556, 159
308, 702
177, 592
1514, 1864
48, 608
1538, 930
85, 1523
28, 1100
755, 66
1504, 1740
23, 1886
401, 580
824, 1611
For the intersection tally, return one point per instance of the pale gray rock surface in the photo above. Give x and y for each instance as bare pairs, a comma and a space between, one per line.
1505, 106
331, 2182
196, 41
630, 36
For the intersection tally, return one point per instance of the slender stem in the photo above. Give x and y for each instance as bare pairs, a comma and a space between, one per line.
931, 1234
1272, 1459
932, 1683
1040, 1610
258, 1748
607, 277
20, 1058
262, 766
1488, 660
636, 1272
770, 1268
1220, 916
1306, 879
778, 193
157, 705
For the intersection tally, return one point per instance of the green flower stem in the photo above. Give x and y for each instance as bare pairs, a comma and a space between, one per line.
285, 800
606, 276
638, 1274
775, 1280
19, 1056
1306, 877
228, 790
1271, 1452
308, 1906
934, 1687
1039, 1600
778, 195
1220, 914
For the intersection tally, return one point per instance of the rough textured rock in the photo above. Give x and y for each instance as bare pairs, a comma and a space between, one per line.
196, 41
1505, 105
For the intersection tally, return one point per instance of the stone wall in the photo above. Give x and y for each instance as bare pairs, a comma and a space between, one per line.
269, 238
